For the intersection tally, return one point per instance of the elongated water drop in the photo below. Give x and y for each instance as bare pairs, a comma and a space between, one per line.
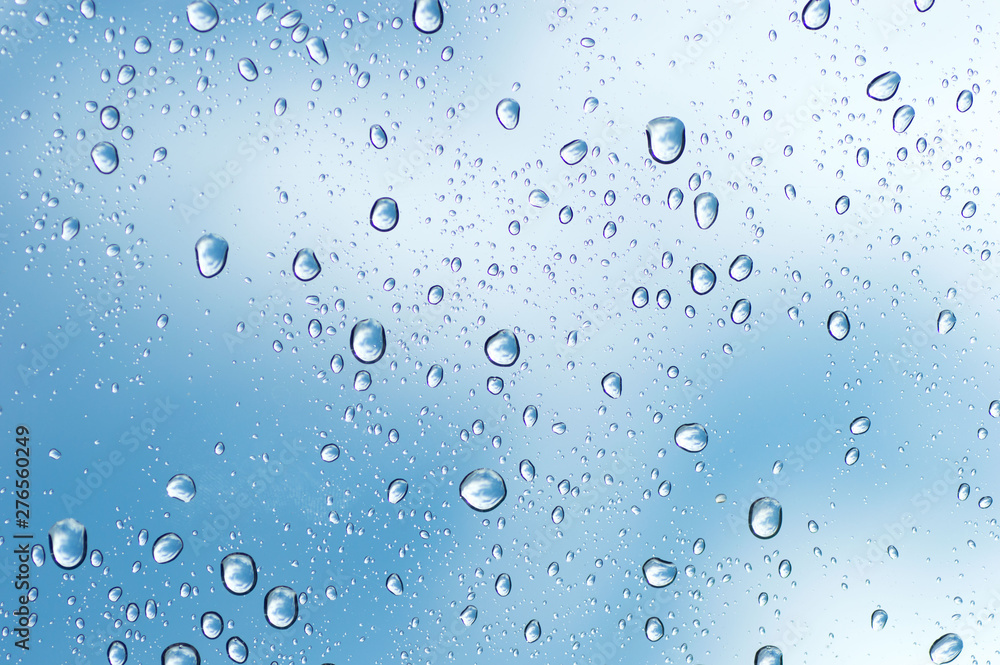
946, 321
70, 227
702, 279
211, 252
247, 69
765, 518
68, 543
239, 573
532, 631
368, 341
816, 14
884, 86
946, 648
706, 209
203, 16
428, 16
281, 607
902, 118
879, 618
741, 267
612, 385
105, 156
654, 629
167, 548
964, 101
665, 139
842, 205
305, 266
838, 325
573, 152
508, 113
397, 490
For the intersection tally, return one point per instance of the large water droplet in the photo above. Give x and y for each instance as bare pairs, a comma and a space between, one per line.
281, 607
434, 376
68, 543
247, 69
503, 584
862, 157
741, 267
530, 415
394, 584
468, 615
428, 16
964, 101
573, 152
483, 490
706, 209
765, 518
665, 139
640, 297
181, 487
612, 385
368, 341
502, 348
816, 14
654, 629
117, 653
397, 490
167, 548
532, 631
946, 321
305, 266
316, 48
946, 648
239, 573
675, 197
860, 425
508, 113
236, 649
211, 625
969, 209
180, 653
741, 311
110, 117
768, 655
659, 573
838, 325
211, 252
702, 279
842, 205
385, 214
884, 86
691, 437
902, 118
70, 227
105, 156
879, 618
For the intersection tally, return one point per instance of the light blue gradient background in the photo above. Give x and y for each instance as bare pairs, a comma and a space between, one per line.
787, 391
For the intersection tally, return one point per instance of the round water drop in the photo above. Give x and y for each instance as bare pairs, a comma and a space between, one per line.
765, 518
428, 16
663, 298
281, 607
362, 381
842, 205
884, 86
316, 48
180, 653
573, 152
167, 548
640, 297
860, 425
508, 113
702, 279
503, 584
852, 456
211, 625
532, 631
741, 311
527, 470
247, 69
469, 615
203, 16
70, 227
239, 573
768, 655
384, 215
675, 197
315, 328
654, 629
691, 437
538, 199
377, 136
816, 14
305, 266
741, 267
109, 117
706, 209
368, 341
530, 415
659, 573
969, 209
838, 325
434, 376
502, 348
211, 252
330, 452
665, 139
612, 385
945, 321
964, 102
902, 118
397, 490
785, 568
394, 585
68, 543
862, 157
117, 653
879, 617
946, 648
483, 490
435, 295
237, 650
181, 487
105, 156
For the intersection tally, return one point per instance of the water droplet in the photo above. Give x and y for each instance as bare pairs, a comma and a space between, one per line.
573, 152
675, 197
167, 548
394, 584
368, 341
706, 209
640, 297
530, 415
508, 113
503, 584
527, 470
851, 457
68, 543
691, 437
281, 607
483, 490
969, 209
665, 139
565, 215
785, 568
538, 199
902, 118
385, 214
702, 279
105, 156
180, 653
211, 625
330, 452
181, 487
741, 311
428, 16
765, 518
377, 136
923, 5
305, 266
816, 14
532, 631
884, 86
612, 385
741, 267
986, 502
946, 648
469, 615
502, 348
842, 205
862, 157
964, 102
659, 573
860, 425
790, 192
236, 648
838, 325
946, 321
654, 629
70, 227
117, 653
663, 299
963, 491
211, 252
879, 617
397, 490
768, 655
247, 69
110, 117
239, 573
316, 48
